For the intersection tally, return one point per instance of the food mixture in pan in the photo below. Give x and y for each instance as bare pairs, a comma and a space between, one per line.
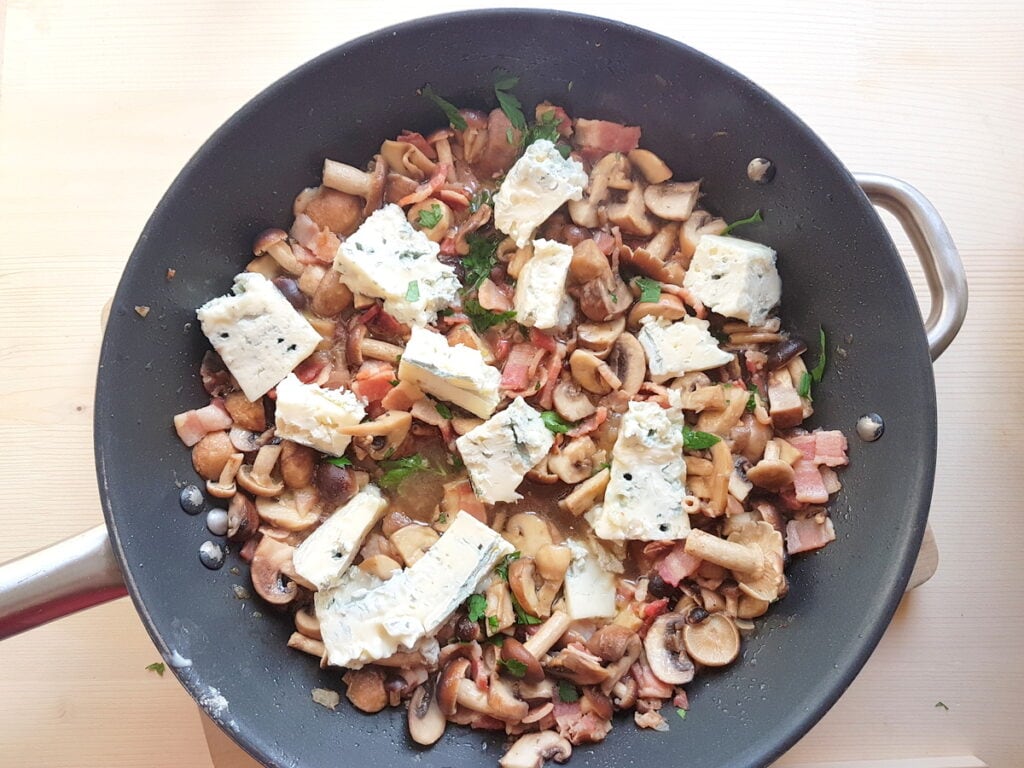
509, 424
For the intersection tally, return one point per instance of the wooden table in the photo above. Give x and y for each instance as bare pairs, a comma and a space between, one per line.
102, 102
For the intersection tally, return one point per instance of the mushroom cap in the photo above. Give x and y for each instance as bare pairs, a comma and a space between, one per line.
267, 238
699, 223
426, 720
665, 651
221, 490
256, 485
768, 583
571, 403
580, 667
673, 200
527, 533
773, 474
268, 563
628, 362
599, 337
592, 373
513, 650
447, 689
574, 463
243, 520
667, 306
532, 749
609, 642
714, 642
653, 168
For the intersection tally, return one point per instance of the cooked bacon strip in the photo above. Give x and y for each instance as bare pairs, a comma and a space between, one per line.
427, 188
314, 369
678, 565
547, 392
807, 535
809, 485
521, 367
454, 198
459, 495
577, 727
596, 138
192, 426
591, 423
373, 380
417, 140
648, 684
494, 297
543, 340
321, 242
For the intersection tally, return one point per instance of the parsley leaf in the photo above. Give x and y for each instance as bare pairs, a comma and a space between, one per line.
752, 400
443, 410
493, 623
567, 692
804, 387
481, 319
449, 109
681, 713
478, 263
522, 617
650, 290
412, 293
442, 518
396, 471
749, 220
430, 217
340, 461
555, 423
502, 568
545, 128
819, 369
698, 441
514, 667
476, 607
158, 667
510, 105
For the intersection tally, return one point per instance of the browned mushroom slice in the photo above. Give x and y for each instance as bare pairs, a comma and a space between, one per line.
599, 337
211, 453
527, 533
426, 720
571, 402
271, 559
672, 200
243, 520
665, 651
592, 373
407, 159
603, 298
448, 684
290, 511
366, 689
714, 642
413, 541
331, 295
629, 363
631, 215
577, 666
588, 262
586, 494
609, 642
667, 306
574, 463
531, 750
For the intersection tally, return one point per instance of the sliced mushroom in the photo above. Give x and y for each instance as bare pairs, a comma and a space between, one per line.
609, 642
297, 464
588, 262
499, 606
672, 200
667, 306
751, 607
354, 181
413, 541
772, 474
290, 511
382, 436
586, 494
592, 373
246, 413
524, 587
786, 405
243, 520
381, 566
532, 749
211, 453
577, 666
599, 337
448, 684
575, 461
312, 646
541, 473
665, 651
603, 298
366, 689
629, 363
269, 563
513, 650
571, 402
714, 642
426, 720
224, 487
631, 215
653, 168
256, 477
274, 243
698, 224
527, 533
308, 624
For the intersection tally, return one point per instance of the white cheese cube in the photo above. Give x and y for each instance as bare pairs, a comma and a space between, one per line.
644, 498
411, 605
326, 554
389, 259
312, 415
257, 333
456, 373
677, 348
499, 452
540, 182
590, 582
540, 289
735, 278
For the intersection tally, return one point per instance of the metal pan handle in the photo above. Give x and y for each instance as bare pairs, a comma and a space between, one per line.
77, 573
934, 247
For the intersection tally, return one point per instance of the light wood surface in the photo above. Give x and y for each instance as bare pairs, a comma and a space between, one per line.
102, 102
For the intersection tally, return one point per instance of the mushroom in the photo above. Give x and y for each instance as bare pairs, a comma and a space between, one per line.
308, 624
653, 168
256, 478
667, 306
290, 511
754, 554
246, 413
514, 651
521, 582
211, 453
412, 541
571, 402
527, 533
630, 215
434, 210
751, 607
532, 749
447, 688
618, 669
672, 200
274, 243
375, 349
772, 474
629, 363
297, 465
547, 634
609, 642
312, 646
699, 223
780, 353
664, 648
575, 461
592, 373
426, 720
577, 666
243, 520
224, 487
269, 565
599, 337
586, 494
541, 473
407, 159
499, 605
588, 262
502, 701
603, 298
380, 565
366, 689
335, 485
586, 212
249, 442
337, 211
714, 642
331, 296
347, 178
382, 436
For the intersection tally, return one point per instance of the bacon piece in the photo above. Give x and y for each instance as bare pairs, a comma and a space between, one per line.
809, 485
543, 340
315, 368
830, 448
192, 426
648, 684
681, 700
591, 423
596, 138
321, 242
547, 392
373, 380
563, 124
521, 367
605, 242
428, 187
807, 535
417, 140
577, 727
678, 565
655, 609
459, 495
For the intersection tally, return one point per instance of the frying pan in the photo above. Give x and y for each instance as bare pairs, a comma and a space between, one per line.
839, 268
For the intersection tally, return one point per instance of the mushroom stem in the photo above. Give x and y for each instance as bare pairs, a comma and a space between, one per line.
265, 462
380, 350
471, 697
727, 554
547, 634
346, 178
300, 642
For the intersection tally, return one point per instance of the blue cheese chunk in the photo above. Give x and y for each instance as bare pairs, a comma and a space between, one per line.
540, 289
389, 259
735, 278
590, 581
540, 182
374, 624
677, 348
644, 498
326, 554
314, 416
499, 452
456, 373
257, 333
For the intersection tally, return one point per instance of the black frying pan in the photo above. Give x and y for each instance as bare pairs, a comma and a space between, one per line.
839, 269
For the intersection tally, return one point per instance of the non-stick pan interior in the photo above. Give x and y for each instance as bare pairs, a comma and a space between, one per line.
839, 269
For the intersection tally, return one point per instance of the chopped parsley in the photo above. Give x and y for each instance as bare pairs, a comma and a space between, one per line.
681, 713
476, 607
412, 293
481, 259
754, 219
431, 217
522, 617
819, 368
698, 441
339, 461
650, 290
442, 518
567, 692
502, 568
514, 667
396, 471
545, 128
482, 319
444, 411
804, 387
509, 103
752, 400
449, 109
556, 423
158, 667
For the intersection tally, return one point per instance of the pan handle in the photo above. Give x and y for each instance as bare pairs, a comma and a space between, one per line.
76, 573
934, 247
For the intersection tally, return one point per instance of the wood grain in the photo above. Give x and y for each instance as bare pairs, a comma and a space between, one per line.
101, 103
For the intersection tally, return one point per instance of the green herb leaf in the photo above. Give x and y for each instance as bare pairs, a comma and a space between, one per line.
498, 640
602, 466
510, 105
449, 109
492, 622
502, 568
478, 263
939, 704
752, 400
482, 319
545, 128
514, 667
567, 692
476, 607
396, 471
522, 617
556, 423
819, 369
804, 387
442, 518
431, 217
564, 150
412, 293
444, 411
339, 461
650, 290
158, 667
681, 713
698, 441
749, 220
